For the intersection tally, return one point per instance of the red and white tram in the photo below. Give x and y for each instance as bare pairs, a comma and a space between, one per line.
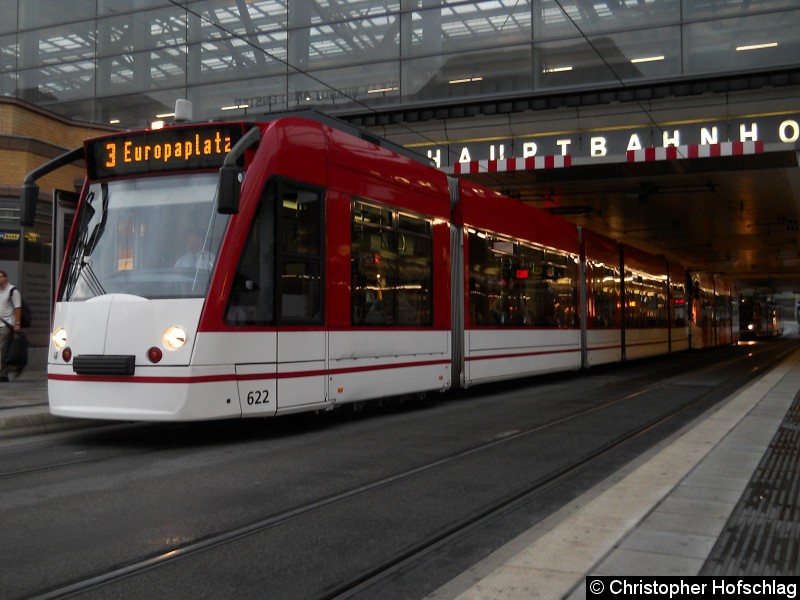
714, 311
521, 272
759, 318
250, 269
603, 341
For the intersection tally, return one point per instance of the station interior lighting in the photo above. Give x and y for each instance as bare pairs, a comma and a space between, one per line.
646, 59
465, 80
757, 46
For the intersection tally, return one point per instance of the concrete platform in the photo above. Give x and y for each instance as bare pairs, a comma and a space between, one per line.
661, 515
24, 409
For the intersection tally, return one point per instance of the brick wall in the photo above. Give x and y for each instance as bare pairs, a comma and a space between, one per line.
30, 136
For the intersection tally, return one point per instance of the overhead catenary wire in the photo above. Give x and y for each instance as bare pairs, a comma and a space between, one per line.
289, 65
249, 41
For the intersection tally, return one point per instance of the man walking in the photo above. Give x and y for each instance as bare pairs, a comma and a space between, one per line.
10, 318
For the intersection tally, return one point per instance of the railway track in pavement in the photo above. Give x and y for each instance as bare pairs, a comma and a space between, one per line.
379, 533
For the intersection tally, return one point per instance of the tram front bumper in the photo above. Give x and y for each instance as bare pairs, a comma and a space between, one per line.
153, 394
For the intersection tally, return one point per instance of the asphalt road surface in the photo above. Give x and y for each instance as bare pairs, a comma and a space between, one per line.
389, 502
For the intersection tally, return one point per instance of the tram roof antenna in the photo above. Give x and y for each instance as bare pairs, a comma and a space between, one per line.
183, 110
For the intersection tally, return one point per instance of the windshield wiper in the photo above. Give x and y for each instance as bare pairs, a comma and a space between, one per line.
100, 228
91, 279
85, 245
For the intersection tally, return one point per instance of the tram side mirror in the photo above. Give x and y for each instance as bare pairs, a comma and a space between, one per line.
29, 196
230, 185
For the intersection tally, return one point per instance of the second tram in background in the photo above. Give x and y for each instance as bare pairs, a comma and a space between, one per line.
222, 270
759, 318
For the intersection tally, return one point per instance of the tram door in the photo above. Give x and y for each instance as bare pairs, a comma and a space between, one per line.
278, 290
302, 339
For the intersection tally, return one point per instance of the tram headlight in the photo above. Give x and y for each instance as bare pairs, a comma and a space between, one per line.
750, 326
59, 338
174, 338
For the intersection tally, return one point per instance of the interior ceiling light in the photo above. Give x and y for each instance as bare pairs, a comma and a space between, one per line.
465, 80
386, 89
645, 59
757, 46
234, 107
557, 70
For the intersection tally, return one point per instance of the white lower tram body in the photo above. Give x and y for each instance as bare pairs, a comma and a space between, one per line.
265, 373
496, 354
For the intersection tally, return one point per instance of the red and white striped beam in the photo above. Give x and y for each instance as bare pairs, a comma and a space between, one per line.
696, 151
532, 163
509, 164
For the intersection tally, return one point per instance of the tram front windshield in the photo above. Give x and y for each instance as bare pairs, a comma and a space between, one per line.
153, 237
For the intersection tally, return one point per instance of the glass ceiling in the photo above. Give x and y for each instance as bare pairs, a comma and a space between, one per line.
127, 60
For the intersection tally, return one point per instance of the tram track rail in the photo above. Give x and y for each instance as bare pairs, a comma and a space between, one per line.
139, 430
374, 575
9, 455
381, 573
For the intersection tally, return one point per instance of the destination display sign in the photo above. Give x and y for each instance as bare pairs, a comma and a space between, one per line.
181, 148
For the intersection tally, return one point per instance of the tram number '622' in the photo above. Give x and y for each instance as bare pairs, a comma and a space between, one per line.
255, 397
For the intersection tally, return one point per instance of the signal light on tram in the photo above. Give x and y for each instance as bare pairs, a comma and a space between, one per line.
66, 354
154, 355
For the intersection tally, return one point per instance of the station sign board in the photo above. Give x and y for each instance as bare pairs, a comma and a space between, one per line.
605, 144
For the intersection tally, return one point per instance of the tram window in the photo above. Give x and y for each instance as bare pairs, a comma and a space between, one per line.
373, 216
703, 310
646, 301
252, 293
301, 290
391, 256
678, 294
300, 254
723, 309
561, 273
480, 280
292, 247
301, 222
603, 297
414, 224
513, 284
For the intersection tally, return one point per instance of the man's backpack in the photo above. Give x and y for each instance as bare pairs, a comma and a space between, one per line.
26, 311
